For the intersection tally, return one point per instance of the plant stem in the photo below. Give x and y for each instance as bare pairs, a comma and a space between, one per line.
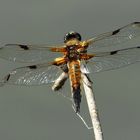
92, 107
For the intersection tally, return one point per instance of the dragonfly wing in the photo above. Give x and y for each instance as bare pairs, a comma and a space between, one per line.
28, 53
32, 75
104, 61
116, 37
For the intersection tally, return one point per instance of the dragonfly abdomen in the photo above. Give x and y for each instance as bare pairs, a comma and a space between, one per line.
75, 78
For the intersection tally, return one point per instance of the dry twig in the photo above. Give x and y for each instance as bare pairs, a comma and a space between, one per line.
92, 107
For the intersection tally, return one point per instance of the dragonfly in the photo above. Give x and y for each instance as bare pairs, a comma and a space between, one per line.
71, 59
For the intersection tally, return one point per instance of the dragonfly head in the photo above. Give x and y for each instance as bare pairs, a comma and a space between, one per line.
72, 35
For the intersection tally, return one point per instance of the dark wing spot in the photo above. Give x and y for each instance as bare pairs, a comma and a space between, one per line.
138, 47
115, 32
8, 76
136, 22
113, 52
32, 67
25, 47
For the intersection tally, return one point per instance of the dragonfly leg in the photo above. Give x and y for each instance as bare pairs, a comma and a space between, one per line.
60, 81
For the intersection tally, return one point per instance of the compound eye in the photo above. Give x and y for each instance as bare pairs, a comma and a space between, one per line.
72, 35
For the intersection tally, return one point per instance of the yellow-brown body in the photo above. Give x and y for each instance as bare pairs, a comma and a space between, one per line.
73, 53
74, 73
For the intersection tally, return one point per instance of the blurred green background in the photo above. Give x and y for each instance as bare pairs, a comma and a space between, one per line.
34, 113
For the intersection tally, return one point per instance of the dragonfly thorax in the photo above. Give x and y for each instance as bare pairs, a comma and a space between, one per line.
72, 52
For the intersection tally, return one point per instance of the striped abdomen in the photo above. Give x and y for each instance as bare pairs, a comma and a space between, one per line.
75, 78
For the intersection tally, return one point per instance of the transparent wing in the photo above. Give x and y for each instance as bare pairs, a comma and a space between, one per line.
117, 37
32, 75
28, 53
104, 61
